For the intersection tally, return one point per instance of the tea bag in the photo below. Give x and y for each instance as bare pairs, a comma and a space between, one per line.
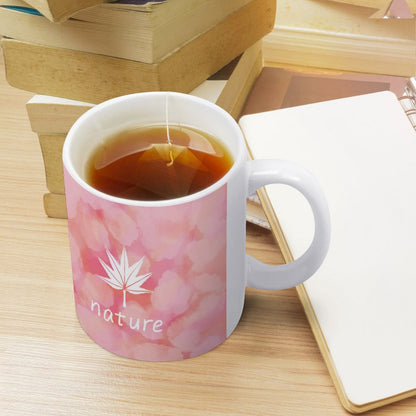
174, 173
170, 163
195, 141
177, 165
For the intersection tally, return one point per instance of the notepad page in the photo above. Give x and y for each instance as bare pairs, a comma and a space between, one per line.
363, 152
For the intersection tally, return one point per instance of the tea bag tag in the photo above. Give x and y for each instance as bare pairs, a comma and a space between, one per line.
170, 163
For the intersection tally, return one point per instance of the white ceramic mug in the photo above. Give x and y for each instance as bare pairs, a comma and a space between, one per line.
165, 280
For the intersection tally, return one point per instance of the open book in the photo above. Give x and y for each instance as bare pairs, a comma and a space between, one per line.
361, 302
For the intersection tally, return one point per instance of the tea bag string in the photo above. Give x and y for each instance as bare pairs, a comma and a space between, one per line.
170, 163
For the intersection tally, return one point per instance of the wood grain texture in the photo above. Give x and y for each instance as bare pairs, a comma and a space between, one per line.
270, 366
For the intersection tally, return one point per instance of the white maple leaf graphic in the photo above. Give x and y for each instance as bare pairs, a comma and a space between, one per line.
123, 277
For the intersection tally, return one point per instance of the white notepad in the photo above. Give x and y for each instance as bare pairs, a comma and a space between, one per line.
362, 302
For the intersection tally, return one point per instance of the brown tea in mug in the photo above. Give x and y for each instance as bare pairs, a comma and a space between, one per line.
155, 163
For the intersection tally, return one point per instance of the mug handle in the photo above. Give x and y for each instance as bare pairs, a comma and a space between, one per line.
272, 277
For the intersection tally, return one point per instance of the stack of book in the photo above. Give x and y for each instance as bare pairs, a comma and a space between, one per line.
123, 47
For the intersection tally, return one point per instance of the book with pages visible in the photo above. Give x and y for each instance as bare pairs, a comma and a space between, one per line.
92, 77
360, 303
342, 35
135, 30
58, 10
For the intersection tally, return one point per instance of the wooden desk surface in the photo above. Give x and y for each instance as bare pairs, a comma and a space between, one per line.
271, 365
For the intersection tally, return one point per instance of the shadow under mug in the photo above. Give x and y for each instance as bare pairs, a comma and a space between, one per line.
165, 280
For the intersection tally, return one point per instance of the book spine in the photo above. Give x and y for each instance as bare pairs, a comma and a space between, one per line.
408, 101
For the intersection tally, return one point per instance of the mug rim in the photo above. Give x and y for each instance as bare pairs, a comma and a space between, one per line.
238, 158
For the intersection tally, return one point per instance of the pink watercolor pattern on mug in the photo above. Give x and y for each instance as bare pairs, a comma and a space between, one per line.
149, 282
